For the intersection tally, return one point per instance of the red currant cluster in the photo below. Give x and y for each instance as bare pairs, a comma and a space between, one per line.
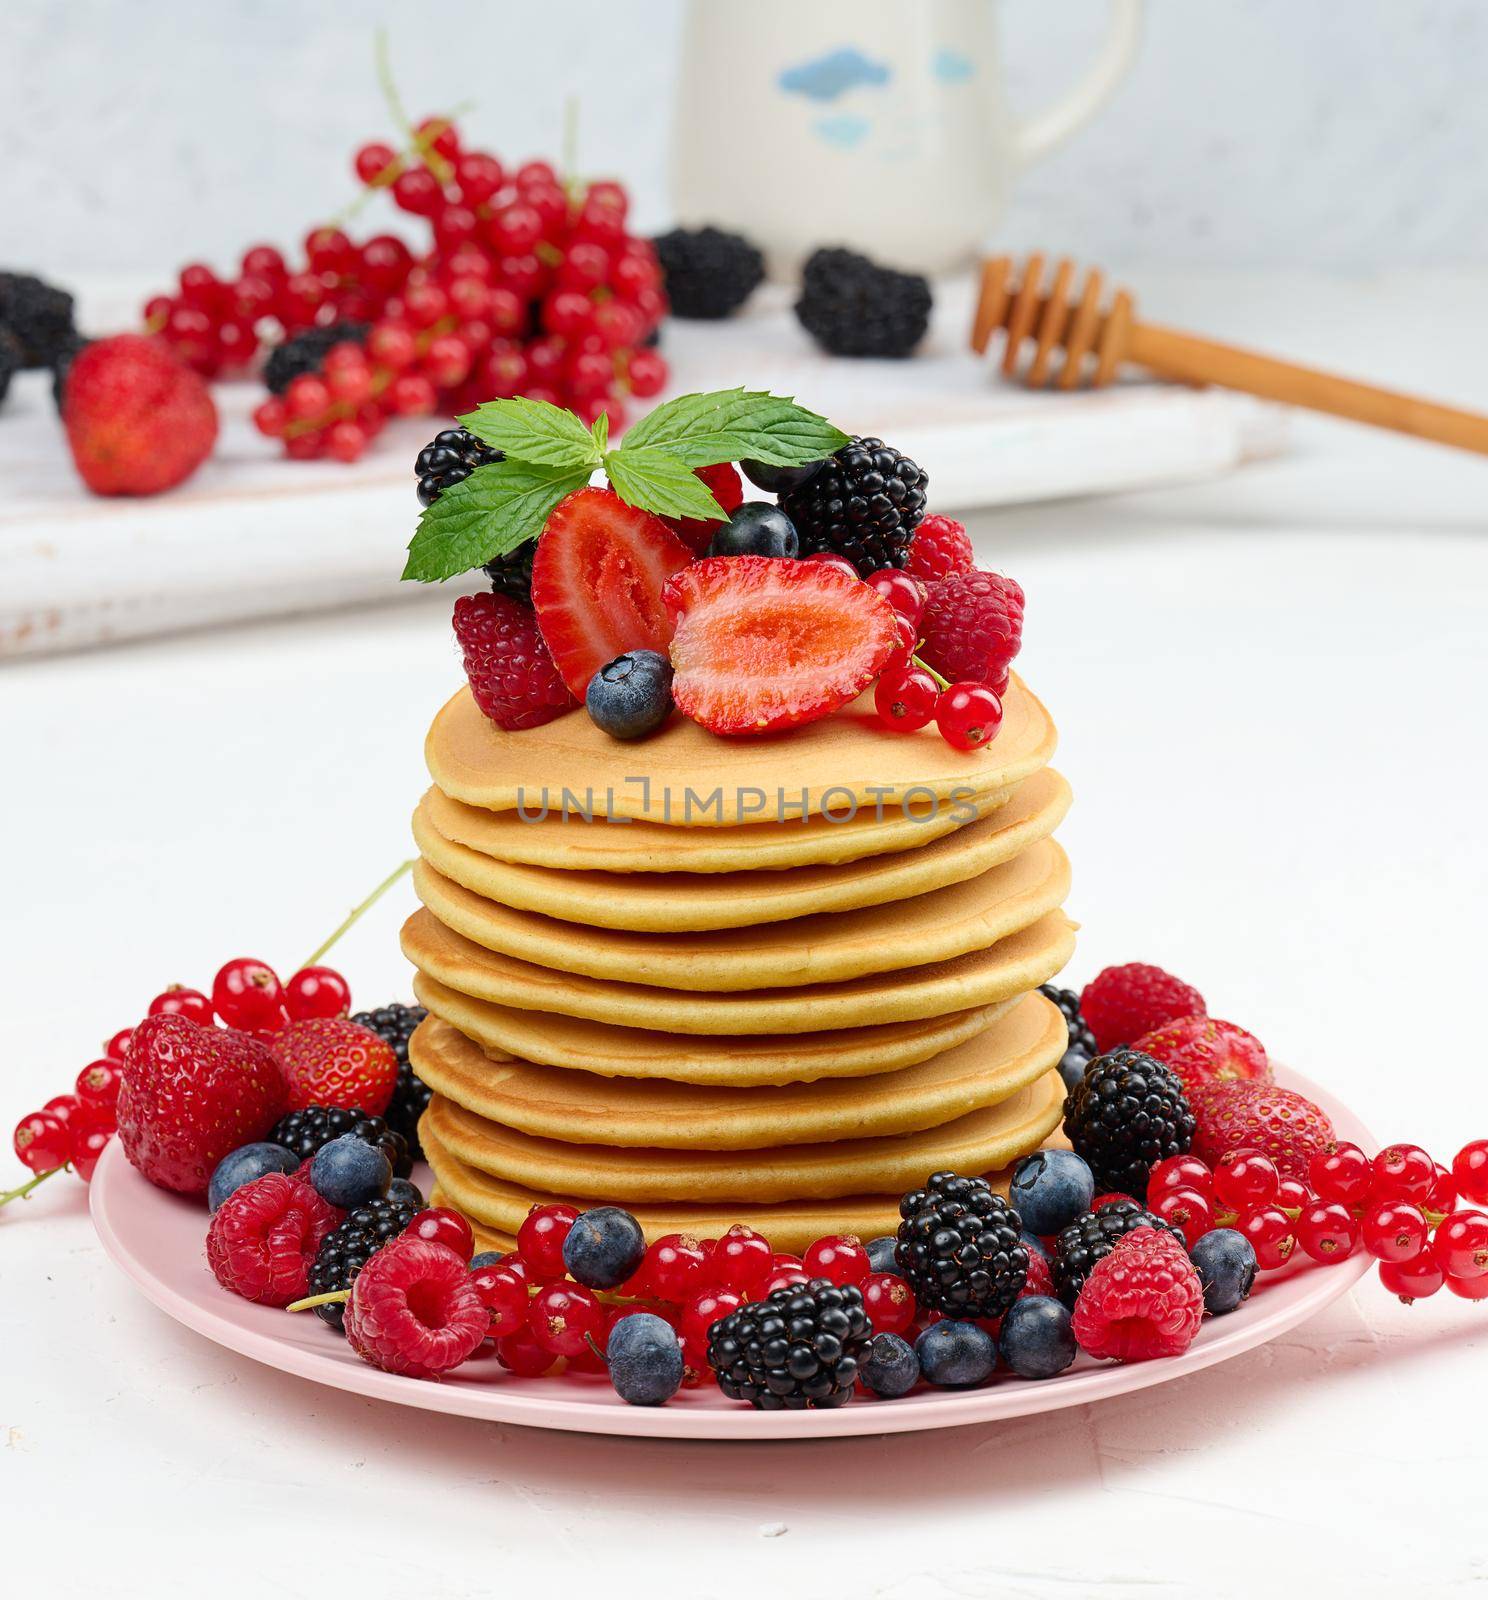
1402, 1207
528, 286
910, 693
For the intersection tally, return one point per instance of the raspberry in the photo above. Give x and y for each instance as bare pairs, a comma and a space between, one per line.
332, 1061
265, 1236
940, 547
727, 489
972, 627
1142, 1300
414, 1310
1279, 1123
1202, 1049
1123, 1003
511, 673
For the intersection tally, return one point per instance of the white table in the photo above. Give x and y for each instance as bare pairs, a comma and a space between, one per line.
1269, 690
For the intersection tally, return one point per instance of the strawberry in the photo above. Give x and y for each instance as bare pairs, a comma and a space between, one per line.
1204, 1050
597, 579
138, 419
332, 1061
728, 490
1280, 1123
191, 1095
764, 643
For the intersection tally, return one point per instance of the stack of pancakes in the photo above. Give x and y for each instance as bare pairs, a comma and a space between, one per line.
774, 981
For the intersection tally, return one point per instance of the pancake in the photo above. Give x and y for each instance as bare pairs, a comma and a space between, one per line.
689, 902
1011, 967
724, 1060
578, 1108
684, 776
828, 948
992, 1136
572, 842
498, 1209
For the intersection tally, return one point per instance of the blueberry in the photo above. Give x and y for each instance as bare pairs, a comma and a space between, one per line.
485, 1258
631, 696
403, 1193
349, 1172
645, 1359
1033, 1243
778, 480
881, 1257
756, 529
1226, 1263
956, 1355
1050, 1189
1037, 1340
603, 1247
1072, 1065
243, 1165
892, 1367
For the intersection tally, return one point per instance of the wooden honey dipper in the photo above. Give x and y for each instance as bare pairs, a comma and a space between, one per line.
1095, 342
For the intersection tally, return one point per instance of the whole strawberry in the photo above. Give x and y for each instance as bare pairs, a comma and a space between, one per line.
1204, 1050
972, 627
332, 1061
1120, 1004
510, 669
138, 419
190, 1096
1280, 1123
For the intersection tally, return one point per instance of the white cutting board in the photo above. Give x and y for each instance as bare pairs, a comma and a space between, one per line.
252, 534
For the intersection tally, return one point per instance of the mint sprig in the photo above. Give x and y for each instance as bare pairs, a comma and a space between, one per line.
550, 453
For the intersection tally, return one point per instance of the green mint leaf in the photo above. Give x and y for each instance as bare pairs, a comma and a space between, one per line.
736, 425
601, 432
655, 480
533, 430
490, 513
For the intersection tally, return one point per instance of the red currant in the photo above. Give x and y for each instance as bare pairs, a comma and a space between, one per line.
1270, 1233
904, 593
412, 395
703, 1310
1186, 1209
1443, 1196
673, 1267
179, 1001
270, 417
1292, 1196
740, 1260
307, 398
246, 994
515, 228
67, 1109
563, 1316
1394, 1230
786, 1277
1460, 1245
840, 1258
1180, 1172
520, 1353
968, 715
441, 1225
345, 441
1343, 1173
117, 1046
454, 226
317, 992
905, 700
440, 135
540, 1240
477, 176
1326, 1230
889, 1302
98, 1086
417, 190
329, 250
647, 373
391, 344
1415, 1279
1470, 1171
371, 161
88, 1140
1469, 1288
1245, 1180
263, 261
504, 1294
1403, 1172
41, 1141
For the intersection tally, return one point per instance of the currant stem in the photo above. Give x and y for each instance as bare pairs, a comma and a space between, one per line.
357, 911
333, 1297
24, 1191
943, 683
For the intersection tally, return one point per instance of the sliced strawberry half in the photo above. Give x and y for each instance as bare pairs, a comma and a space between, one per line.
597, 579
763, 643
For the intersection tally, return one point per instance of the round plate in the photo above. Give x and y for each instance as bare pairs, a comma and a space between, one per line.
157, 1239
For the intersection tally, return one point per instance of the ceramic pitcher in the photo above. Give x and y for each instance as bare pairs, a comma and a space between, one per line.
876, 124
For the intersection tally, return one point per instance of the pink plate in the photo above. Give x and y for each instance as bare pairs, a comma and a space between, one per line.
157, 1239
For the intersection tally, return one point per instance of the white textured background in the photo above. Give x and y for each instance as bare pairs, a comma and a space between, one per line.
1252, 133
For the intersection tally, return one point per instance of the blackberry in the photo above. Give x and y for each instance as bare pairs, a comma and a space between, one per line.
1093, 1237
852, 306
396, 1023
709, 273
62, 359
864, 503
348, 1249
304, 1132
12, 359
960, 1247
1127, 1113
801, 1346
38, 314
305, 352
1081, 1047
